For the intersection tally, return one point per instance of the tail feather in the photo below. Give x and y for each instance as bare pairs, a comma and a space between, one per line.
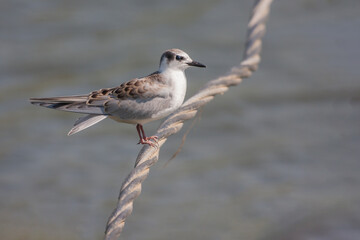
75, 98
68, 103
85, 122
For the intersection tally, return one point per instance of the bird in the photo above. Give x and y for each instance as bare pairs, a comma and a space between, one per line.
138, 101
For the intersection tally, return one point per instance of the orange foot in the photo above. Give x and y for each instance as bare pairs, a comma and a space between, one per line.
152, 141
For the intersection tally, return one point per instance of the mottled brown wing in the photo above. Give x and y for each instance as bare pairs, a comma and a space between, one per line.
141, 90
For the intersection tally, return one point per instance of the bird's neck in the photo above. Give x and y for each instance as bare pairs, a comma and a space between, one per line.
174, 76
176, 80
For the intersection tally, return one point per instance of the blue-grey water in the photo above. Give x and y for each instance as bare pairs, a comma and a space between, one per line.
277, 157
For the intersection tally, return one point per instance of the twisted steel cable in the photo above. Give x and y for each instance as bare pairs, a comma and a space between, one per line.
148, 156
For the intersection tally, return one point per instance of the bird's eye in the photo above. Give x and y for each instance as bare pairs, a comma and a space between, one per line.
179, 58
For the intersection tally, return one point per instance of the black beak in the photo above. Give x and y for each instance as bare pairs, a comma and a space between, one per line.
196, 64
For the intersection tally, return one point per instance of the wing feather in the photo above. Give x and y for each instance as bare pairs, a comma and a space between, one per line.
108, 100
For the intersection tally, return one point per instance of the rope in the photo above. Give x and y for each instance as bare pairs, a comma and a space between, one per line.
148, 156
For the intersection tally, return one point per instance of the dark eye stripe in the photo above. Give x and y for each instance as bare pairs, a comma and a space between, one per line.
168, 55
179, 58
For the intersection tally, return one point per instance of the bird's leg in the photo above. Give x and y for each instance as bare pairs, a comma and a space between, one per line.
143, 138
147, 138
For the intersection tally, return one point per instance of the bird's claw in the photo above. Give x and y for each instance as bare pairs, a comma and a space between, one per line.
152, 141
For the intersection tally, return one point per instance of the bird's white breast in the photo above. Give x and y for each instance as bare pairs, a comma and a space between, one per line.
176, 81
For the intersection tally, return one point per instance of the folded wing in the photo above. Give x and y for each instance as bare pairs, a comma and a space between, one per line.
102, 103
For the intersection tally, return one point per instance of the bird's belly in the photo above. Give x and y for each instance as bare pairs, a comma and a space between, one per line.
137, 112
173, 105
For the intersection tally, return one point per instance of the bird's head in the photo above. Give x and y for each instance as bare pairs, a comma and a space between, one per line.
177, 59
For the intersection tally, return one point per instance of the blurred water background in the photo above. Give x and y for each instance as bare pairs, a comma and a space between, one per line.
277, 157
